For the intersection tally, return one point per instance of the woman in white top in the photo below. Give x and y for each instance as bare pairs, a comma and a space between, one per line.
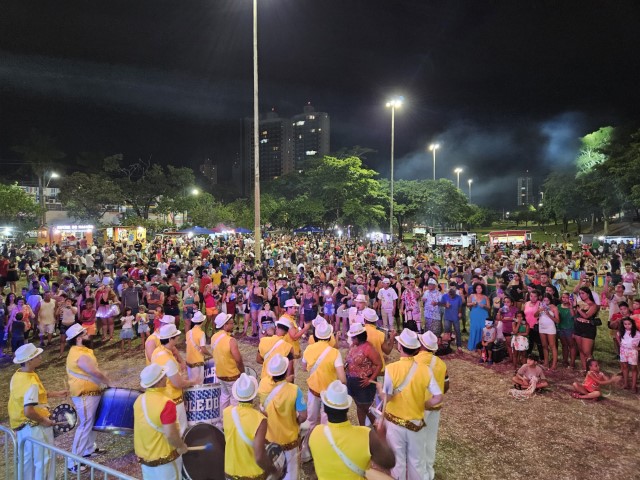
548, 317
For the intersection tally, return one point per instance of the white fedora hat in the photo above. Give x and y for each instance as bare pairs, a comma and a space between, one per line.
284, 322
74, 330
221, 319
245, 388
168, 319
336, 396
318, 320
168, 331
361, 298
27, 352
291, 303
150, 375
323, 331
409, 339
370, 315
355, 329
198, 317
277, 365
429, 340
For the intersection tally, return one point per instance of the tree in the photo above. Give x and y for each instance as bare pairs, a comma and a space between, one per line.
409, 199
592, 149
17, 207
563, 200
89, 196
446, 204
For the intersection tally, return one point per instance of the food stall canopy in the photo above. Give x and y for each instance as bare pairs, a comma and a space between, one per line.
308, 229
197, 231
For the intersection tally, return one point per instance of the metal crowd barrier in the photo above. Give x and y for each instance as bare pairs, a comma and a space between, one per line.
10, 442
94, 470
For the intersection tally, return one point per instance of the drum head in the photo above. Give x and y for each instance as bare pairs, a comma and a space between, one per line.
65, 417
206, 464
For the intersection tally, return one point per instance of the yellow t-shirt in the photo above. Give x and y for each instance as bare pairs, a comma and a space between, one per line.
26, 389
351, 440
239, 459
79, 382
149, 443
216, 278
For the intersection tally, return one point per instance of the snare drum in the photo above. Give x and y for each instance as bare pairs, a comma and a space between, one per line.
210, 372
204, 464
202, 404
115, 412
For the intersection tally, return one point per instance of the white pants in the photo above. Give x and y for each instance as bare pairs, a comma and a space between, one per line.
432, 419
387, 319
84, 440
315, 416
409, 449
168, 471
226, 399
38, 461
293, 462
196, 374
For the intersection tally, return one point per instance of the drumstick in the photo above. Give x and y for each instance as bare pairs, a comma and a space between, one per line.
199, 448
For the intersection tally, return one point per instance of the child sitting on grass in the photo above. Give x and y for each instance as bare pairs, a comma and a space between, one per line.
488, 338
527, 372
590, 387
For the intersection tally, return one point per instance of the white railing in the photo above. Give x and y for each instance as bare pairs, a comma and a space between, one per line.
10, 442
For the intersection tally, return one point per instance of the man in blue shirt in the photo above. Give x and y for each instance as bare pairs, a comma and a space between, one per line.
452, 303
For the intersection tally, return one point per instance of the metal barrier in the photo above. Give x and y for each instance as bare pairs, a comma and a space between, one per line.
10, 460
103, 472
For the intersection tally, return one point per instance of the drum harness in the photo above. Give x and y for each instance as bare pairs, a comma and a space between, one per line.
272, 349
346, 460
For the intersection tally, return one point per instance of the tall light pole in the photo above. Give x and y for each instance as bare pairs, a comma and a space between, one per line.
41, 191
470, 182
432, 148
256, 145
458, 171
393, 104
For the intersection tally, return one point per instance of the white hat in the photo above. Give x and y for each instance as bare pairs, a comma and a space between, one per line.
291, 303
168, 331
27, 352
429, 340
361, 298
336, 396
221, 319
370, 315
151, 374
386, 280
168, 319
323, 331
409, 339
318, 320
285, 322
198, 317
355, 329
277, 365
432, 281
245, 388
477, 270
74, 330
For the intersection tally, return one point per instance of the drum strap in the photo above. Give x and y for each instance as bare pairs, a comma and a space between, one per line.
213, 346
192, 341
277, 344
346, 460
319, 360
434, 359
236, 420
272, 395
407, 379
146, 415
80, 376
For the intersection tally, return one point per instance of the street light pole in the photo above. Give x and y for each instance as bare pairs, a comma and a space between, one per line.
433, 147
41, 189
256, 145
393, 104
470, 182
458, 171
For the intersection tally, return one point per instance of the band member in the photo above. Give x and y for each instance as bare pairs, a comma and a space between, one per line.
156, 432
29, 413
275, 344
153, 341
85, 388
294, 334
429, 345
164, 357
283, 404
245, 430
196, 349
344, 451
227, 357
406, 383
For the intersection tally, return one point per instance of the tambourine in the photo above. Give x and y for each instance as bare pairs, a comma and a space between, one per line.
65, 417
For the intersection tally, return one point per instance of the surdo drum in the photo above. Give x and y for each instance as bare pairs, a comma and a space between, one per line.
202, 404
205, 464
115, 411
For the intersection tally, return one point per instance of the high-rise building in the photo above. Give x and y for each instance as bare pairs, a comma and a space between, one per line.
525, 191
311, 134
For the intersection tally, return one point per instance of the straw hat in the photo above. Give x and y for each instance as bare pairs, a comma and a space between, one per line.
370, 315
336, 396
355, 329
409, 339
429, 340
168, 331
74, 330
150, 375
27, 352
245, 388
198, 317
323, 331
221, 319
277, 365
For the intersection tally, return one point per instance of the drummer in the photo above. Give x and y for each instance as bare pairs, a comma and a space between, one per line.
283, 404
196, 349
227, 358
294, 334
316, 321
275, 344
85, 380
153, 341
344, 451
29, 414
156, 433
245, 430
163, 356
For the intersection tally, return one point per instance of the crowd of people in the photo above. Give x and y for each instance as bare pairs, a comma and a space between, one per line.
305, 299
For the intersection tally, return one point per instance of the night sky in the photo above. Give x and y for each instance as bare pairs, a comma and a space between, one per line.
503, 86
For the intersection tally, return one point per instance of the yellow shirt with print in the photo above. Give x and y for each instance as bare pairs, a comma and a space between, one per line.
150, 444
79, 382
351, 440
239, 460
20, 384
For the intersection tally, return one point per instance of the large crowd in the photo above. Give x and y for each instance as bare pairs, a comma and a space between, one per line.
308, 296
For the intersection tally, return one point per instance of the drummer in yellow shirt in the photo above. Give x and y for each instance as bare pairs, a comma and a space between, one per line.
29, 413
245, 430
153, 341
293, 336
342, 451
276, 344
317, 321
85, 387
283, 404
227, 357
196, 349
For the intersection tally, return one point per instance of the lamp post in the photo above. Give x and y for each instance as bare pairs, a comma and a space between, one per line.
41, 192
256, 144
458, 171
432, 148
393, 104
470, 182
